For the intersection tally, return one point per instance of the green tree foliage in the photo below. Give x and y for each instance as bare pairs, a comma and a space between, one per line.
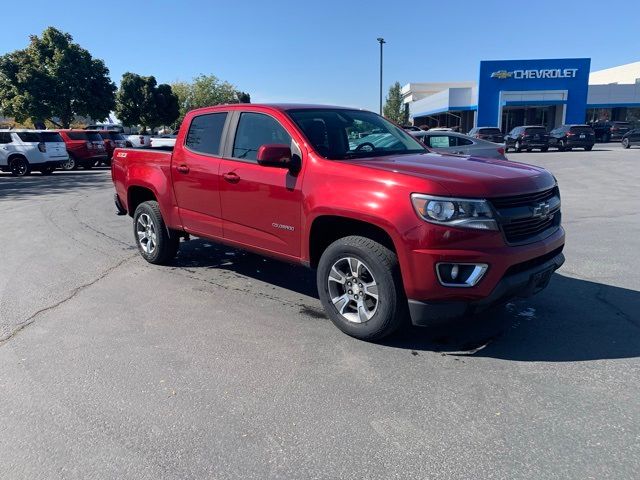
141, 101
54, 79
394, 109
204, 91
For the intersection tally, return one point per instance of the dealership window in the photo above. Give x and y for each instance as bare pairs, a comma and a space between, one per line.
205, 133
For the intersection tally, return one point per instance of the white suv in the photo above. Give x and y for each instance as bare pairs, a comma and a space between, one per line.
22, 151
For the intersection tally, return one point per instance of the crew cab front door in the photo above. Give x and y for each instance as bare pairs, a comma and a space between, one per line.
261, 206
195, 174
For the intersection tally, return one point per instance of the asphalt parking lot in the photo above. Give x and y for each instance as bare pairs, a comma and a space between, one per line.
224, 365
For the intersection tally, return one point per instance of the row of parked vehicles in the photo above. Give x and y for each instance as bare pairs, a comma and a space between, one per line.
491, 142
23, 151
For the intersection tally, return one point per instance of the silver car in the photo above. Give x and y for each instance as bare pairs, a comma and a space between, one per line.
452, 142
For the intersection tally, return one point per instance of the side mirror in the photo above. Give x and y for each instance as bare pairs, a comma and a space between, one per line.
274, 155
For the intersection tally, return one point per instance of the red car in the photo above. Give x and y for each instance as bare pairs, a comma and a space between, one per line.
85, 147
394, 231
112, 140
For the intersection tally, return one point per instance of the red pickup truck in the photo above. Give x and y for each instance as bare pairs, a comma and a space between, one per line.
393, 230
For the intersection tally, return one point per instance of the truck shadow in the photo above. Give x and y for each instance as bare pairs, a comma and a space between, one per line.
572, 320
17, 188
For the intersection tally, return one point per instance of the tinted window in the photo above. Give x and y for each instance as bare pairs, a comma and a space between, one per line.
255, 130
462, 141
5, 137
490, 131
205, 133
535, 130
94, 137
116, 136
77, 135
29, 137
581, 129
50, 137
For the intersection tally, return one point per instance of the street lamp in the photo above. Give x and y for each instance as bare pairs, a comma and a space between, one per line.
381, 41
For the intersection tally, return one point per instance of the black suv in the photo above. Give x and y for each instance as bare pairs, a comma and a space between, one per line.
606, 130
527, 138
567, 137
491, 134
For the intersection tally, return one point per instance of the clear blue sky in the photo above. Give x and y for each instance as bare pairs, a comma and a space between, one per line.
326, 51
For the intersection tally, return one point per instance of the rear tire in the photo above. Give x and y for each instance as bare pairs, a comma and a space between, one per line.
588, 149
70, 164
518, 147
377, 305
156, 243
626, 143
19, 167
561, 146
544, 149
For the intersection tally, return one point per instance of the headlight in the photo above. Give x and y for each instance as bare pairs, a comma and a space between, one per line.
457, 212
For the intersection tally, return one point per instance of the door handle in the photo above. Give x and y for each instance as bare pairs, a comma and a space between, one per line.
183, 168
231, 177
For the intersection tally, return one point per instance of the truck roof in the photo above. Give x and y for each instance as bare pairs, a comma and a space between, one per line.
276, 106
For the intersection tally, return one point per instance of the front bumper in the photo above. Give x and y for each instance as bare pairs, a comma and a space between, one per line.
522, 282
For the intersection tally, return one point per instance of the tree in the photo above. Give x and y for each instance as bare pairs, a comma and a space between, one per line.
204, 91
54, 79
140, 101
394, 109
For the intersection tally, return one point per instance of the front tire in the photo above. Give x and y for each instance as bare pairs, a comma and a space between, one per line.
20, 167
588, 149
361, 289
47, 170
544, 149
155, 242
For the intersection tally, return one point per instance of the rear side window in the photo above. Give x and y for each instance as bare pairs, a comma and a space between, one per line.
77, 135
50, 137
255, 130
94, 137
205, 133
32, 137
5, 137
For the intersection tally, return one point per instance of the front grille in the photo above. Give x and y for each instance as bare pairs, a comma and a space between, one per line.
534, 262
520, 219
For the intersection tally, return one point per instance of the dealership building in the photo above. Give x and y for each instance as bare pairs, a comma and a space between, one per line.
510, 93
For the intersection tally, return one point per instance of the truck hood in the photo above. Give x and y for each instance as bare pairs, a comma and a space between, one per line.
466, 176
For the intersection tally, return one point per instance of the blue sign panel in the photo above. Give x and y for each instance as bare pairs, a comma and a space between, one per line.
569, 76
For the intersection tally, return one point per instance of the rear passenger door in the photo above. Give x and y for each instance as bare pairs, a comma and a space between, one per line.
261, 206
195, 174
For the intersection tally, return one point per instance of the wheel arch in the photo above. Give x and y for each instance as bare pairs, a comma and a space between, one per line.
137, 194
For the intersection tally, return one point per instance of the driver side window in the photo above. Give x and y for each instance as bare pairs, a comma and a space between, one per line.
255, 130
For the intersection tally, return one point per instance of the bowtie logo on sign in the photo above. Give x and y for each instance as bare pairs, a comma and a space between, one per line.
549, 73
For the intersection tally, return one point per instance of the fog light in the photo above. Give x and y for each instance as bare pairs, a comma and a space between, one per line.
460, 274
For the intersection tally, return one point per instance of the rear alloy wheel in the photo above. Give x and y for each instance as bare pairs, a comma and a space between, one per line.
625, 143
70, 164
360, 288
155, 242
20, 167
518, 147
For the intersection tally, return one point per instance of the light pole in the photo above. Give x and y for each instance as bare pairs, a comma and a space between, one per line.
381, 41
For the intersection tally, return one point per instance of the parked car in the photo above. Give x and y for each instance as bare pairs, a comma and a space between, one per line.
527, 138
112, 140
135, 139
393, 231
632, 137
606, 131
115, 127
490, 134
163, 141
567, 137
85, 148
410, 128
23, 151
452, 142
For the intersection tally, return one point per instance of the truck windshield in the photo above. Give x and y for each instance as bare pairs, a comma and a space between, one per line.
341, 134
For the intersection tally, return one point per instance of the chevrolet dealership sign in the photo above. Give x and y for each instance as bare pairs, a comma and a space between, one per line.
539, 73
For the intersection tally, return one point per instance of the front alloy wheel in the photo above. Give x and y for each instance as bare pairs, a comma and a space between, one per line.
70, 164
353, 290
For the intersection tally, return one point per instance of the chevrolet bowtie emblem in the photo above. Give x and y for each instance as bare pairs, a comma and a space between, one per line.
502, 74
541, 210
